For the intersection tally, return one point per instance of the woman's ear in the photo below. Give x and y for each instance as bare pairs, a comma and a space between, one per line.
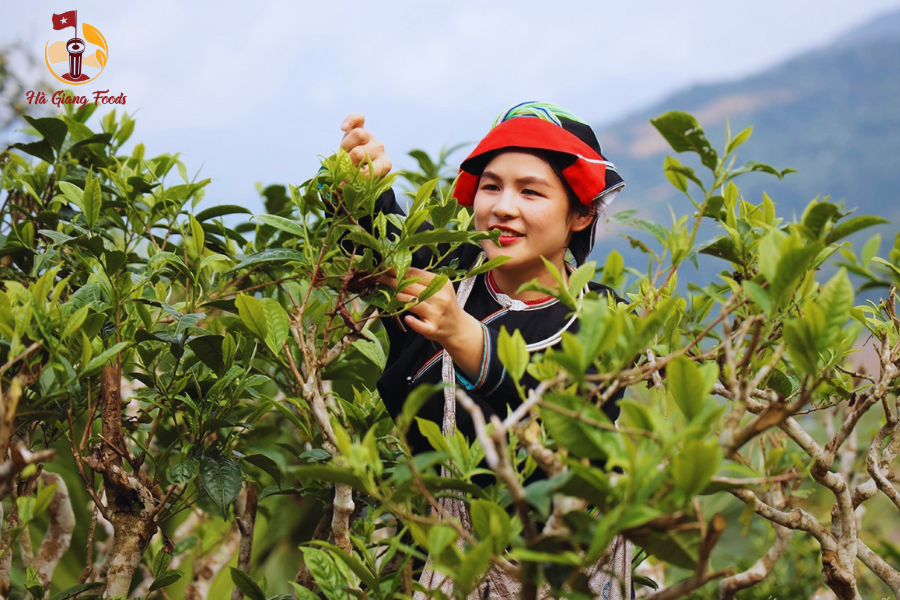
581, 222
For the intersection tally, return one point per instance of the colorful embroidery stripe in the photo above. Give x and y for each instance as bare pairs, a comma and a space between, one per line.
493, 316
428, 364
485, 363
485, 357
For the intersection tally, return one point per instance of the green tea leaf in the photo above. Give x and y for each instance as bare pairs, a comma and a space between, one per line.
354, 563
166, 579
282, 224
184, 471
768, 210
613, 270
208, 349
302, 593
245, 583
402, 262
759, 295
92, 201
562, 558
836, 300
423, 194
801, 338
673, 173
161, 562
736, 142
198, 236
272, 255
433, 287
326, 574
371, 350
103, 358
42, 150
439, 538
220, 211
683, 133
695, 465
43, 498
253, 315
817, 216
328, 473
433, 434
513, 353
435, 236
73, 194
33, 583
582, 439
52, 129
490, 521
73, 591
278, 327
791, 267
414, 403
25, 505
487, 266
474, 567
581, 277
162, 258
688, 385
221, 479
852, 225
265, 463
680, 548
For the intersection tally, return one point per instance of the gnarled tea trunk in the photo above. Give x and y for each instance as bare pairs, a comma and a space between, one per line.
131, 538
130, 505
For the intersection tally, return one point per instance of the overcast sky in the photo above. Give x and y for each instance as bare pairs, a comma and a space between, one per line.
254, 91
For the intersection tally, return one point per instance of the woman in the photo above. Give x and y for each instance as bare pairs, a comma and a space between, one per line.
540, 178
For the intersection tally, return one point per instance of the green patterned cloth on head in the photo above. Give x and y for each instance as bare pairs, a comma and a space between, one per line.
542, 110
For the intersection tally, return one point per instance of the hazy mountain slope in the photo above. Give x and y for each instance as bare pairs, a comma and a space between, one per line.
833, 114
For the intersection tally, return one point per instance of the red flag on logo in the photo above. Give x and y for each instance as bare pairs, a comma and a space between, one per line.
67, 19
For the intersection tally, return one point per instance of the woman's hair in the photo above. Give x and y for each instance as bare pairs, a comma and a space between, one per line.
580, 241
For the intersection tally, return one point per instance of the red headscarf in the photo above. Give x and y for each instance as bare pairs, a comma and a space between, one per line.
589, 174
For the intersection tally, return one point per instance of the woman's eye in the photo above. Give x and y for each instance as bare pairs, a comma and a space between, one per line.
531, 192
489, 186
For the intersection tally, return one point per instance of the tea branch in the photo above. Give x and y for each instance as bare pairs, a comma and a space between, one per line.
761, 569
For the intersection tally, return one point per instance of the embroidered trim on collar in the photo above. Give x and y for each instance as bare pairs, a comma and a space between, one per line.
519, 305
513, 304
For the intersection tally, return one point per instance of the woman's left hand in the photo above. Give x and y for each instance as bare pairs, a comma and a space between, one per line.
361, 144
440, 318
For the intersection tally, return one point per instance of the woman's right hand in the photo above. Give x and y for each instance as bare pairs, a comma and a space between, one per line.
359, 143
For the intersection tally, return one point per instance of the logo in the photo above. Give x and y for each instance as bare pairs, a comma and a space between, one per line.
76, 60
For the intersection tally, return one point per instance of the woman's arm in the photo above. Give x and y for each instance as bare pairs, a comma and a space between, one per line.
439, 318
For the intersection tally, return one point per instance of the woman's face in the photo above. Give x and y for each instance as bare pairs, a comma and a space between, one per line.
520, 194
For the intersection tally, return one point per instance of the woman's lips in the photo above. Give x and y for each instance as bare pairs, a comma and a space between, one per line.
506, 240
508, 236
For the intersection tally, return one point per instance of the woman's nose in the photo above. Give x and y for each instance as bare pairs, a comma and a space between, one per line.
506, 205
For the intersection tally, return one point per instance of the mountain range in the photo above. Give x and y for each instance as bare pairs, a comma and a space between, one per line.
832, 113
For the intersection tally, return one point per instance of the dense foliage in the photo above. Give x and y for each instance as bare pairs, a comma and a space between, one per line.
196, 369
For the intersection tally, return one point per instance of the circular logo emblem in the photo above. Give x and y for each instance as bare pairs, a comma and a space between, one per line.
75, 60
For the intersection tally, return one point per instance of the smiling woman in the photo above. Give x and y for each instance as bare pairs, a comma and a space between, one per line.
539, 178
